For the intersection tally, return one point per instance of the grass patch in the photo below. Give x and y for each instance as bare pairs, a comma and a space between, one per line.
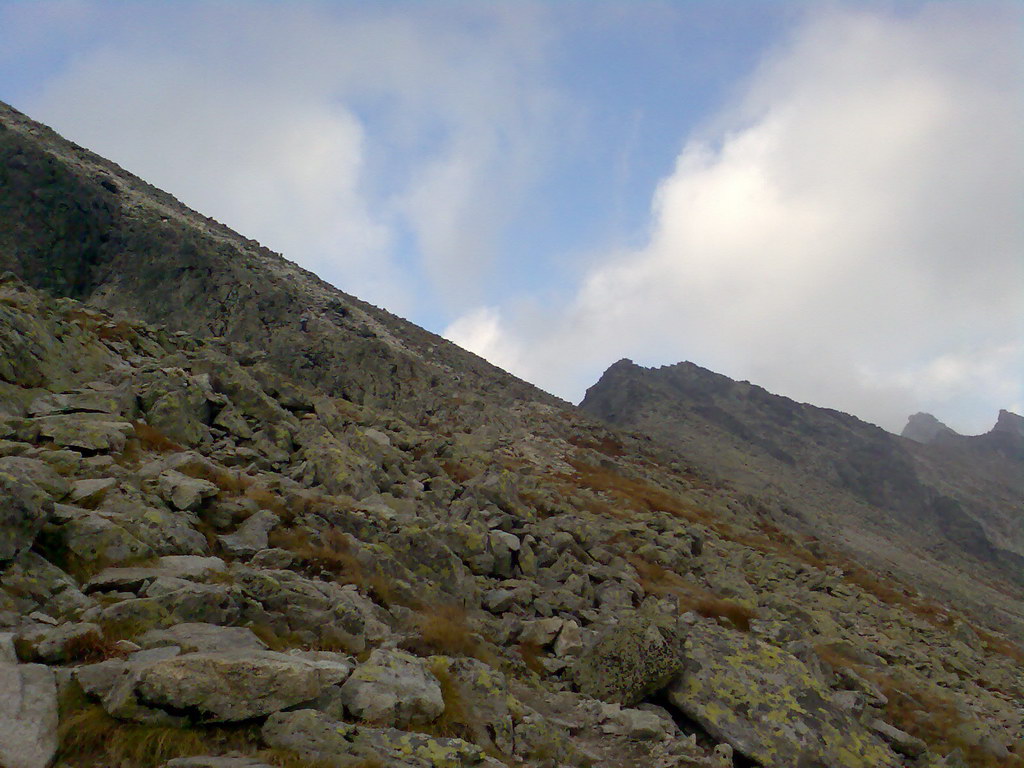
635, 494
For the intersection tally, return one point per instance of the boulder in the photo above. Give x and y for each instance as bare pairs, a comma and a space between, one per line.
86, 431
28, 716
627, 662
767, 705
39, 473
251, 535
56, 645
182, 491
231, 686
317, 737
23, 512
393, 688
199, 637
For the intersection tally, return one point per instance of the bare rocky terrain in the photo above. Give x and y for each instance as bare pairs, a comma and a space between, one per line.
252, 521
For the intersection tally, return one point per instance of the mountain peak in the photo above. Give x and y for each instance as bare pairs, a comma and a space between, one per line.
925, 428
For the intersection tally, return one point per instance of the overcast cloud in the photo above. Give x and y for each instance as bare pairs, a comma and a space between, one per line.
847, 232
328, 138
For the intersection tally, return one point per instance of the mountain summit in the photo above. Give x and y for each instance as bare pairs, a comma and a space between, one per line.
250, 521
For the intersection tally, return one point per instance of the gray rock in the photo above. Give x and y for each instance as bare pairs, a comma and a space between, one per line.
39, 473
86, 431
23, 512
214, 762
317, 737
901, 741
251, 535
207, 761
194, 637
182, 491
627, 662
233, 685
89, 493
393, 688
28, 716
56, 645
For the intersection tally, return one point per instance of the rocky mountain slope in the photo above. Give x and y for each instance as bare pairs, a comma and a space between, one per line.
373, 549
945, 515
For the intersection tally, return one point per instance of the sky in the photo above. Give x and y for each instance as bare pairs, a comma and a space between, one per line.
823, 198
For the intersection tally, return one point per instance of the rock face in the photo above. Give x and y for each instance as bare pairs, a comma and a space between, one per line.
925, 428
238, 540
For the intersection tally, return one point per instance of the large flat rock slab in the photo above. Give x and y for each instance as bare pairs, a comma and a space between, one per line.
767, 705
28, 716
232, 686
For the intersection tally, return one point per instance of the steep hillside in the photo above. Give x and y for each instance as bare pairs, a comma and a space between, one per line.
938, 514
77, 225
216, 550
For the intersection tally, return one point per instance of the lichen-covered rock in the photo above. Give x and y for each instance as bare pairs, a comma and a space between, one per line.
200, 637
28, 716
251, 535
55, 645
767, 705
393, 688
316, 737
184, 492
85, 431
482, 696
39, 473
627, 662
23, 511
231, 686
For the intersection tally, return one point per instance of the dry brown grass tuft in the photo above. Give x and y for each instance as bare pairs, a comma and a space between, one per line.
458, 472
660, 581
531, 653
445, 630
632, 493
333, 553
152, 439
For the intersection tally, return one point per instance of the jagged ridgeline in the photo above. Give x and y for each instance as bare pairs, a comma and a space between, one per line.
249, 520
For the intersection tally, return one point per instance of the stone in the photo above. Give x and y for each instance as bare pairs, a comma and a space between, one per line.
767, 705
317, 737
627, 662
194, 637
206, 761
182, 491
39, 473
28, 716
483, 693
56, 645
569, 641
251, 535
393, 688
541, 632
94, 539
85, 431
89, 493
901, 741
24, 508
232, 686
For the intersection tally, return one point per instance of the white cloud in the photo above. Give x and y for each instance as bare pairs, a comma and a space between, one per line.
284, 127
847, 233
